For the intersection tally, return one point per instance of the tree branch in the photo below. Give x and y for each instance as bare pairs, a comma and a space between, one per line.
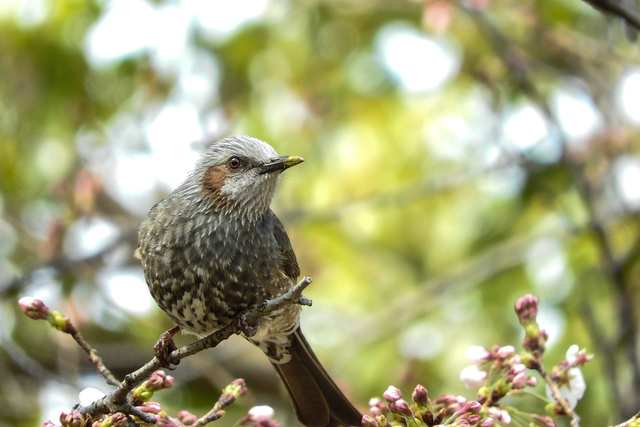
116, 401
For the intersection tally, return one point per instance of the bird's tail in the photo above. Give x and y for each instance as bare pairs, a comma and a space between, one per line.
316, 398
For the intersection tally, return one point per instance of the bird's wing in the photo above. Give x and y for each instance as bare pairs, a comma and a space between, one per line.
289, 263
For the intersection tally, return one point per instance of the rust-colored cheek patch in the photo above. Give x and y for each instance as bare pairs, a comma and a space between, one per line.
212, 182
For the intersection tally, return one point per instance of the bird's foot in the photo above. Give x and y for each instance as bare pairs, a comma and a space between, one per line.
164, 346
240, 325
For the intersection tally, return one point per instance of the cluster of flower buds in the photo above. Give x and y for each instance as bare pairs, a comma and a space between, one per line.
566, 378
156, 382
448, 409
72, 419
159, 380
118, 419
233, 391
496, 373
535, 339
141, 399
379, 409
75, 419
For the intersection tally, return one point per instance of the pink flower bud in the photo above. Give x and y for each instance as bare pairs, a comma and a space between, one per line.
544, 337
446, 399
168, 382
472, 407
119, 420
368, 421
453, 409
545, 421
420, 395
377, 406
519, 382
527, 308
577, 357
518, 368
487, 422
375, 401
400, 407
74, 419
493, 412
499, 415
392, 394
473, 419
374, 410
505, 417
168, 422
155, 380
582, 358
478, 354
239, 382
151, 408
33, 308
506, 352
186, 418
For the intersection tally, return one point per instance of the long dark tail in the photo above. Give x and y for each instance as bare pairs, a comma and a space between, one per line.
316, 398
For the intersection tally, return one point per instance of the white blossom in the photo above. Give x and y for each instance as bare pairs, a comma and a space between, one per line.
473, 376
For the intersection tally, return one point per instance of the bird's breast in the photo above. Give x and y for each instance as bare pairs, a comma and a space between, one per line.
204, 269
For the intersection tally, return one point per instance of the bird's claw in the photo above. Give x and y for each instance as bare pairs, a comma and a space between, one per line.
240, 325
164, 346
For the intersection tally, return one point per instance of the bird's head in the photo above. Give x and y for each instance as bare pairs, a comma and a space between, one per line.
239, 174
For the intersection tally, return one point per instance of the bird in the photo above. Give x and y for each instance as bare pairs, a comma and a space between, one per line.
213, 249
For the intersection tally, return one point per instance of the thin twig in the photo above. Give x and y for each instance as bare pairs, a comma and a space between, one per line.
36, 309
228, 397
92, 353
557, 396
629, 422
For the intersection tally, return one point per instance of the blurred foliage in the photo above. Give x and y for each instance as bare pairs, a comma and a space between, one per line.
419, 215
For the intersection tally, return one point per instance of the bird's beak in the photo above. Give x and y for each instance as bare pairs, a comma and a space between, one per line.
280, 164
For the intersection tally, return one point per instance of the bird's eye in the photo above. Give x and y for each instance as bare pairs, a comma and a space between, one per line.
235, 163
